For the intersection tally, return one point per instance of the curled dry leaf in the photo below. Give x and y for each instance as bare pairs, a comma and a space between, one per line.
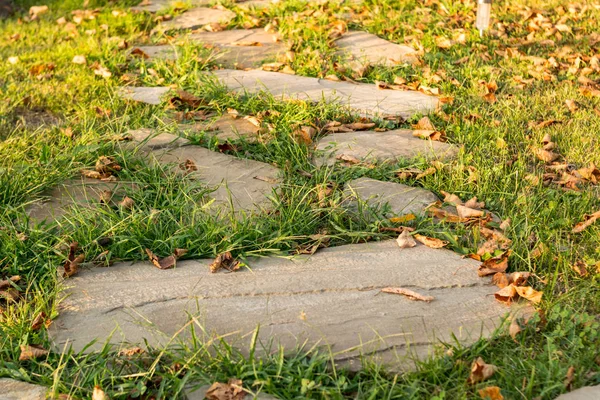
491, 393
431, 242
233, 390
412, 295
404, 218
474, 204
507, 294
527, 292
405, 240
38, 321
79, 59
466, 212
494, 265
98, 394
452, 199
587, 221
139, 53
515, 328
571, 105
130, 351
71, 265
31, 352
225, 260
546, 155
162, 263
480, 371
184, 98
127, 203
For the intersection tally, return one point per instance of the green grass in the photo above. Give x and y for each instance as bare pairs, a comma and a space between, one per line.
33, 160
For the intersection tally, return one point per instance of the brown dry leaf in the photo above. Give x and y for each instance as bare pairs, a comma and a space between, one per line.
34, 11
500, 279
107, 165
488, 247
480, 371
466, 212
130, 351
580, 267
427, 172
518, 278
71, 265
546, 155
98, 394
161, 263
273, 67
412, 295
507, 294
101, 71
139, 53
494, 265
38, 321
403, 219
360, 126
233, 390
444, 215
529, 293
93, 174
127, 203
425, 124
515, 328
30, 352
474, 204
184, 98
543, 124
569, 377
452, 198
587, 221
431, 242
305, 134
436, 136
571, 105
188, 166
491, 393
6, 283
225, 260
79, 59
405, 240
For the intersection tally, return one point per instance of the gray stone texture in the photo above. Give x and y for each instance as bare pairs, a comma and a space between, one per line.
197, 18
332, 298
225, 128
11, 389
398, 198
148, 139
192, 393
159, 5
160, 52
584, 393
364, 99
148, 95
372, 146
369, 49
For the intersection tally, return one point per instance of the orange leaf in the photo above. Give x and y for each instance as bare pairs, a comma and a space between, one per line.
408, 293
529, 293
480, 371
431, 242
491, 393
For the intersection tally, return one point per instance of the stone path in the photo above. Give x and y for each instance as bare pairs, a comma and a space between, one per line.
364, 99
148, 95
159, 5
225, 128
198, 17
374, 146
584, 393
11, 389
332, 297
369, 49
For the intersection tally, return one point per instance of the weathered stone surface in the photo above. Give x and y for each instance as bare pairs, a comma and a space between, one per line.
332, 298
200, 394
242, 48
258, 4
149, 139
226, 127
84, 192
398, 198
369, 49
161, 52
584, 393
148, 95
364, 99
198, 17
159, 5
380, 146
241, 183
11, 389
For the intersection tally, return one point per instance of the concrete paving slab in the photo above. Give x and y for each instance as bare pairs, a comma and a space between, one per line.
147, 139
364, 99
148, 95
399, 199
192, 393
369, 49
225, 128
198, 17
371, 146
159, 52
331, 298
11, 389
584, 393
153, 6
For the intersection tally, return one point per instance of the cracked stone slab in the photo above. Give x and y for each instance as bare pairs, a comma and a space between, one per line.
399, 199
199, 17
153, 6
364, 99
11, 389
584, 393
389, 146
225, 128
143, 94
331, 298
369, 49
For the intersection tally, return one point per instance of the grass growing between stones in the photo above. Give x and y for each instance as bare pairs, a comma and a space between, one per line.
493, 164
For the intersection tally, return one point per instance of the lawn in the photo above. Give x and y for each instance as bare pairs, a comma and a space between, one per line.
533, 78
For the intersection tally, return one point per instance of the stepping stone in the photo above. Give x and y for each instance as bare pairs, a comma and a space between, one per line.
371, 146
258, 4
198, 17
331, 298
365, 99
148, 95
584, 393
148, 139
160, 52
400, 199
11, 389
226, 128
200, 394
369, 49
159, 5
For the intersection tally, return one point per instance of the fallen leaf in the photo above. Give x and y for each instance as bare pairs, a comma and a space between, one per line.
98, 394
139, 53
474, 204
102, 71
466, 212
106, 165
79, 59
424, 124
527, 292
38, 321
494, 265
587, 221
452, 199
127, 203
518, 278
71, 265
480, 371
491, 393
500, 279
507, 294
30, 352
514, 329
571, 105
225, 260
184, 98
403, 219
161, 263
6, 283
305, 134
431, 242
233, 390
360, 126
546, 155
34, 11
405, 240
13, 60
412, 295
188, 166
130, 351
569, 377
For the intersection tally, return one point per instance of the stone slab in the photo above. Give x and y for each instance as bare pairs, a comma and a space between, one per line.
200, 394
225, 128
364, 99
11, 389
398, 198
153, 6
369, 49
198, 17
244, 185
584, 393
331, 298
148, 95
371, 146
148, 139
159, 52
257, 4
